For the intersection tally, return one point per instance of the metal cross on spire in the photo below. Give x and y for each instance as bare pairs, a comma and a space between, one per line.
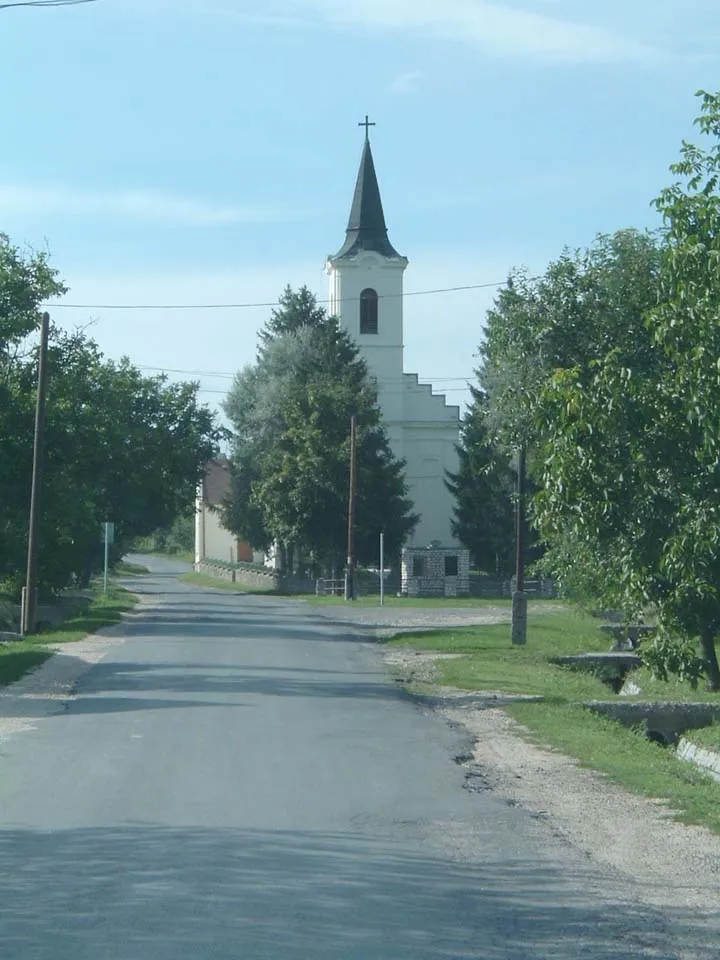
367, 123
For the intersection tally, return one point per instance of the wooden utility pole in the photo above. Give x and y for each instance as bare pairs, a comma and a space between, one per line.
519, 599
350, 569
30, 605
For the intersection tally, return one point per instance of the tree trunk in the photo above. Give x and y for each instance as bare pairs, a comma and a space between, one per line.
712, 669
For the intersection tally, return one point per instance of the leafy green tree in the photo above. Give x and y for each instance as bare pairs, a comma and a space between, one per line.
118, 446
634, 442
290, 462
585, 304
483, 488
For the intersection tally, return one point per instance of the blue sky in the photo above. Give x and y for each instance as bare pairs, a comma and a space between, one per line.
205, 151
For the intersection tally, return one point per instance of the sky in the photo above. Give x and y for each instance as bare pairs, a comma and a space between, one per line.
189, 153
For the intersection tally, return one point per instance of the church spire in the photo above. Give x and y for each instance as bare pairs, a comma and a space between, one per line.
366, 229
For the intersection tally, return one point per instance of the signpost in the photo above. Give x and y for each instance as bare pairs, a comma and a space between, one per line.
108, 531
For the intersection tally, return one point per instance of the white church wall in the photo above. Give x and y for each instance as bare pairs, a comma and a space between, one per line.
430, 452
383, 351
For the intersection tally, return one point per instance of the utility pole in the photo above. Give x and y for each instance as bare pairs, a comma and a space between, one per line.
350, 569
519, 599
30, 605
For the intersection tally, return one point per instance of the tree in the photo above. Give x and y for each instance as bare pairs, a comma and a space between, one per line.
118, 446
290, 456
483, 490
586, 303
633, 442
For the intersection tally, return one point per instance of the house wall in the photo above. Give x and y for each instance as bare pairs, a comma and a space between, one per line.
433, 581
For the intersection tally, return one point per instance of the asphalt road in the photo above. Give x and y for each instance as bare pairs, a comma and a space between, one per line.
237, 779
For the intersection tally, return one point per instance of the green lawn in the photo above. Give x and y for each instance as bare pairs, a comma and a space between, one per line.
626, 756
707, 737
674, 689
395, 601
492, 663
19, 657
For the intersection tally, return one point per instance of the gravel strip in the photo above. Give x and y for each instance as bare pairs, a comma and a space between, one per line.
384, 622
675, 866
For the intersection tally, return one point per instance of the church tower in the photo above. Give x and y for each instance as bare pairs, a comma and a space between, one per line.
366, 294
366, 291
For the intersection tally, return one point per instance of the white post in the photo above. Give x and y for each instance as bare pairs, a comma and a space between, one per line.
107, 557
23, 600
382, 568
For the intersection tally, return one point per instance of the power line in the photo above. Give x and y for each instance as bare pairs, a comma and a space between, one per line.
385, 393
44, 3
269, 303
228, 374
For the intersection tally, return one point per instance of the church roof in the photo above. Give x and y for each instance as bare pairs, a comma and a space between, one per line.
366, 229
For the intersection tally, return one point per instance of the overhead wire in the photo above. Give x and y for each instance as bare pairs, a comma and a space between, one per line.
268, 303
44, 3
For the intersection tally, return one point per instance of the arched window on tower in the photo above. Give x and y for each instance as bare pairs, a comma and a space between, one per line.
368, 311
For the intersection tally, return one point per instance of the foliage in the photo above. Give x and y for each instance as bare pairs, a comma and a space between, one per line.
483, 487
118, 446
587, 303
667, 656
632, 436
291, 413
179, 537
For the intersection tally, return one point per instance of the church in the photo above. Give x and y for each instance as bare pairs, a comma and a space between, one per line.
366, 293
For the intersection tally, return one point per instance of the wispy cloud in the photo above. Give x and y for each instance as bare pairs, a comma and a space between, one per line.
406, 82
153, 206
495, 28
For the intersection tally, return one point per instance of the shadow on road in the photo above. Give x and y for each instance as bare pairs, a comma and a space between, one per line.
152, 892
219, 679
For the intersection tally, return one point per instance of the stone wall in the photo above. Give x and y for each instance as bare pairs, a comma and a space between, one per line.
248, 576
435, 572
255, 576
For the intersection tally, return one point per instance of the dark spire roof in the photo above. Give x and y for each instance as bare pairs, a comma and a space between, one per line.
366, 229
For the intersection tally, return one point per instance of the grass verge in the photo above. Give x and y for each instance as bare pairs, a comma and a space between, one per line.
395, 601
490, 662
626, 757
708, 737
125, 569
19, 657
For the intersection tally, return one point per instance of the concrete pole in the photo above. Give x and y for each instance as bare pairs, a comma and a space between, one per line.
519, 600
30, 608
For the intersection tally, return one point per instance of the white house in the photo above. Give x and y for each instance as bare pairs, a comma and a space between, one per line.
213, 543
366, 293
